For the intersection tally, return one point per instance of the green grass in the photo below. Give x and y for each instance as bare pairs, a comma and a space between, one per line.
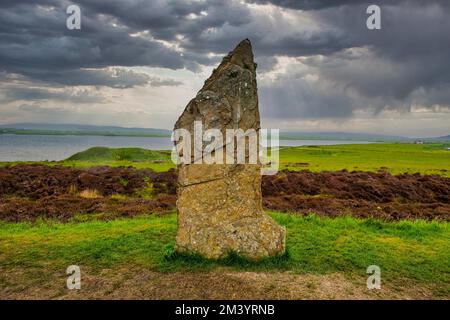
101, 154
158, 160
415, 250
394, 158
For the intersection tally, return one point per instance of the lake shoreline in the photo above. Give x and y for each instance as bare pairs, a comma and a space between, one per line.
42, 147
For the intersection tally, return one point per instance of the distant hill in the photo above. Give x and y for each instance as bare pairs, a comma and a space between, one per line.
79, 129
355, 137
438, 139
76, 129
341, 136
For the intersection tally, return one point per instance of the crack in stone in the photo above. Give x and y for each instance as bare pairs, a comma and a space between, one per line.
201, 182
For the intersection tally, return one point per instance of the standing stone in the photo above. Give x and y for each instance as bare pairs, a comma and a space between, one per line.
220, 205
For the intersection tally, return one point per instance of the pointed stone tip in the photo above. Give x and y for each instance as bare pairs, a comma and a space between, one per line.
246, 41
243, 55
245, 46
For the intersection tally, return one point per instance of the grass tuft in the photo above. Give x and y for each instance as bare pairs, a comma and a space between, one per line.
90, 194
232, 259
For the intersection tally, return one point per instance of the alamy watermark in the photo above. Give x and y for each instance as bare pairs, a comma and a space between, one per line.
373, 22
74, 278
374, 280
234, 146
73, 21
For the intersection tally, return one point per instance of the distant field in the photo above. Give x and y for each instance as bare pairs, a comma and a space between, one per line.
35, 255
394, 158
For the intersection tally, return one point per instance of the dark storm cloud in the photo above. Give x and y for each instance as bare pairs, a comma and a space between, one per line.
166, 19
410, 53
36, 43
404, 63
322, 4
307, 4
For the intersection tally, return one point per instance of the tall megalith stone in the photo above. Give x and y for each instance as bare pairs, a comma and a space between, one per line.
220, 205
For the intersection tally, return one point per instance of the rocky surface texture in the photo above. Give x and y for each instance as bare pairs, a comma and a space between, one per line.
220, 205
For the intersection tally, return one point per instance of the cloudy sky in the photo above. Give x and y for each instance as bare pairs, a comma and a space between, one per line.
137, 63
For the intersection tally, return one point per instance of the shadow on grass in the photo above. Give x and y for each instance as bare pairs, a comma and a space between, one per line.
173, 260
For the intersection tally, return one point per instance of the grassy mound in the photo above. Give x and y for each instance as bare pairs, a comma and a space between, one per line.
120, 154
